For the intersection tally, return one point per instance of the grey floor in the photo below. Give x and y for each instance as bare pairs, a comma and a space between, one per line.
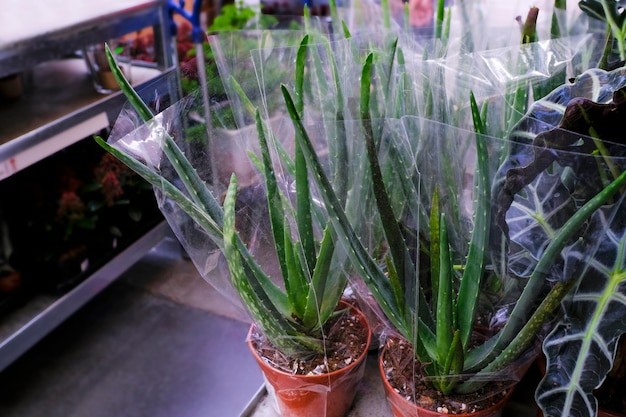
157, 343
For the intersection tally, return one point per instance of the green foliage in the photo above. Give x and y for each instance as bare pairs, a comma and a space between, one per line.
238, 15
232, 16
612, 12
292, 319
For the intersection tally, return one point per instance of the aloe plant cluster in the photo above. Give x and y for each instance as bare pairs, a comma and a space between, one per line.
530, 197
292, 318
426, 240
440, 327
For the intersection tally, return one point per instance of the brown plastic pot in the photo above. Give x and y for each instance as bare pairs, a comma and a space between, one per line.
326, 395
401, 407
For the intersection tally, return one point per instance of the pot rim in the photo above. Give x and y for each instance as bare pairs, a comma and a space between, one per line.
352, 365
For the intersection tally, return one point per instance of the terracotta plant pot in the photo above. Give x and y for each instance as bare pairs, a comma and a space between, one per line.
401, 407
326, 395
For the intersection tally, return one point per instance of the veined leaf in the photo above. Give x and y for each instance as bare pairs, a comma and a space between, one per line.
514, 338
585, 340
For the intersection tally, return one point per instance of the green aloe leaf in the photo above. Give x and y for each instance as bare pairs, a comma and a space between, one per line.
188, 175
304, 218
272, 322
445, 319
475, 261
327, 285
274, 199
453, 365
268, 304
367, 267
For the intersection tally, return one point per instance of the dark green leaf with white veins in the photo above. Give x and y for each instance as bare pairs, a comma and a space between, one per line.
580, 349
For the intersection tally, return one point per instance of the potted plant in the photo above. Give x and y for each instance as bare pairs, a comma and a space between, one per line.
303, 329
434, 311
441, 337
393, 289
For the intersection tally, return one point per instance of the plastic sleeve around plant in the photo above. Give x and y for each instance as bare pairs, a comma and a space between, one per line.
432, 153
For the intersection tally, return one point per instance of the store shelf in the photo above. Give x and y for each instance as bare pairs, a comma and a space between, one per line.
60, 27
21, 329
60, 107
63, 109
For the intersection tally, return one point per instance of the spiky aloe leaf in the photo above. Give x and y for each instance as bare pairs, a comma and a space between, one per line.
327, 284
475, 261
367, 267
274, 325
267, 304
188, 175
439, 20
397, 246
400, 253
581, 349
207, 222
274, 201
453, 365
303, 195
555, 28
296, 286
435, 245
445, 318
314, 289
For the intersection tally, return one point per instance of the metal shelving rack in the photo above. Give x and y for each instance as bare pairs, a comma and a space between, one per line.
42, 123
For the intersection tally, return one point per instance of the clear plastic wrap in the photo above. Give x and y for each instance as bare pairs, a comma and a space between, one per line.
258, 235
410, 146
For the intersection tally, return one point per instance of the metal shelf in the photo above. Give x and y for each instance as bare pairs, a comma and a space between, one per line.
66, 110
63, 110
26, 326
60, 27
63, 106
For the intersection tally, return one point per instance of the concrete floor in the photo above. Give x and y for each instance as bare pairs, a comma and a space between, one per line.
150, 345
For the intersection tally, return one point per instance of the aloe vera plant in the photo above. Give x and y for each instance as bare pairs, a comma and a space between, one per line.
440, 332
292, 318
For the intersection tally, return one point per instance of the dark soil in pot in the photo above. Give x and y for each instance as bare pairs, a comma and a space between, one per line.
347, 339
405, 376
